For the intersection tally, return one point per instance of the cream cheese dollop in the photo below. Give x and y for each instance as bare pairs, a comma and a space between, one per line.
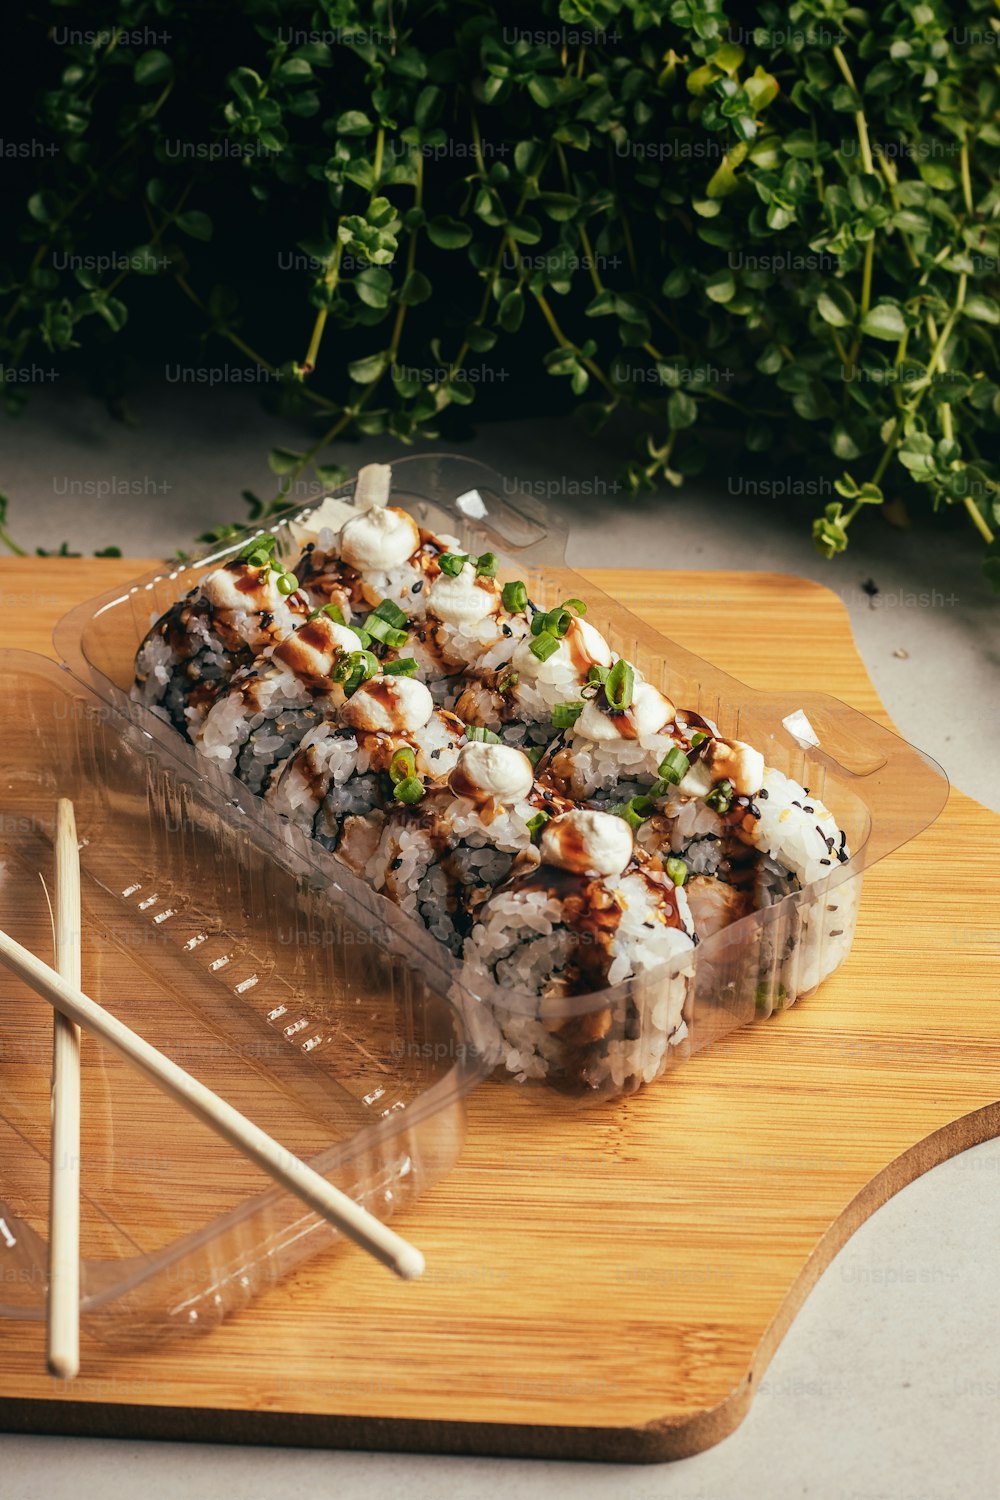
311, 650
587, 843
579, 649
379, 539
499, 771
725, 760
649, 712
219, 588
460, 600
389, 705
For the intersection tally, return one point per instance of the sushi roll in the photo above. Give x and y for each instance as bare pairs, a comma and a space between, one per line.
190, 655
376, 552
616, 734
589, 912
440, 854
344, 771
273, 702
521, 685
565, 831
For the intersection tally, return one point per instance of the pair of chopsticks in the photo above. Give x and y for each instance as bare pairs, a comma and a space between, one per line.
61, 988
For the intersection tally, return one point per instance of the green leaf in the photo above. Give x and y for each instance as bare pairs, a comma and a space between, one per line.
114, 312
510, 313
152, 69
448, 233
835, 305
600, 305
415, 289
682, 410
982, 309
884, 321
283, 460
721, 286
44, 207
367, 370
558, 206
373, 286
195, 223
354, 122
331, 474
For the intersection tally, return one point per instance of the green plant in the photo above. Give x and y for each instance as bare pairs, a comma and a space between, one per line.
786, 225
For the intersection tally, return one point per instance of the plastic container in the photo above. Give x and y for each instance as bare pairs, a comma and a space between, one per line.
882, 791
221, 947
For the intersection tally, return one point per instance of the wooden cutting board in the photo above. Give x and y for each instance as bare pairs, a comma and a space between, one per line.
608, 1282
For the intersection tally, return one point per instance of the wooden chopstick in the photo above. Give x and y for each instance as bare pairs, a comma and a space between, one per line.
63, 1345
295, 1175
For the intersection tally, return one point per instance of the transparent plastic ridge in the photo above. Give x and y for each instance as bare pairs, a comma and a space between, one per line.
228, 954
882, 791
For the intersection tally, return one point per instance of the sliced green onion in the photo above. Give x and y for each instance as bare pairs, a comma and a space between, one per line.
479, 732
409, 791
407, 666
620, 686
353, 668
721, 797
543, 646
539, 623
536, 824
332, 611
507, 681
391, 613
565, 715
515, 597
635, 811
677, 870
698, 738
598, 674
452, 563
262, 546
381, 630
535, 753
576, 604
674, 766
287, 583
402, 765
486, 566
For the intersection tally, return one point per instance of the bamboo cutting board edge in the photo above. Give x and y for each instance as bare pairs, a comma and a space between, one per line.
652, 1441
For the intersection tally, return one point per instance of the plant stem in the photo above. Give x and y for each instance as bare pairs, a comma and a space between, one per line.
10, 543
566, 343
244, 347
330, 280
966, 178
860, 119
977, 519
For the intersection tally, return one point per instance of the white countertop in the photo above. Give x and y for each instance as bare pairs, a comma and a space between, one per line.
887, 1386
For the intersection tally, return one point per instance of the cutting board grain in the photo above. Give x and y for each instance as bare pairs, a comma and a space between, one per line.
611, 1282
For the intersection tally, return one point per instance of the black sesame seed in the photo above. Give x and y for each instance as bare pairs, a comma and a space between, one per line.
809, 809
826, 861
836, 932
763, 793
435, 755
796, 804
842, 855
395, 864
507, 630
417, 586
